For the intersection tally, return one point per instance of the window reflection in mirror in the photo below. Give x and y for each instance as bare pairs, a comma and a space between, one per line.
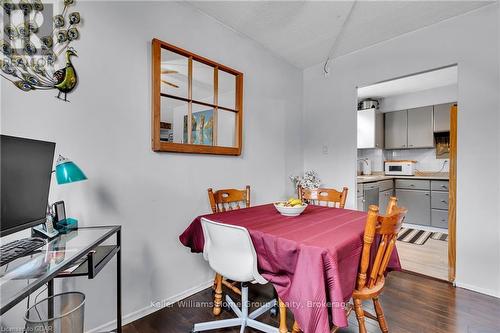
203, 83
173, 113
174, 74
226, 128
227, 90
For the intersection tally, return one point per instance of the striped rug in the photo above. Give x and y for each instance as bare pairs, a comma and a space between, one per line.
414, 236
440, 236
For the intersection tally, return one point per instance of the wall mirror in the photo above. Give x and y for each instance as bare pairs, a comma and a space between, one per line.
196, 103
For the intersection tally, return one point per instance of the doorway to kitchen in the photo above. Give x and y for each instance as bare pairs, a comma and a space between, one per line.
406, 147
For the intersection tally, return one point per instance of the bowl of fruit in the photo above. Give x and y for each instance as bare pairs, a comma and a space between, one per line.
292, 207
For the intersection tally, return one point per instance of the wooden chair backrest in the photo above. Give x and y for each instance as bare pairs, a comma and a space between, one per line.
329, 197
228, 199
386, 227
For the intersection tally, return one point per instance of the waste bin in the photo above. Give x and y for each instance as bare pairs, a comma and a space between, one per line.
61, 313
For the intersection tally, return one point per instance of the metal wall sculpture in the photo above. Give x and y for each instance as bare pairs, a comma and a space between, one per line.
36, 46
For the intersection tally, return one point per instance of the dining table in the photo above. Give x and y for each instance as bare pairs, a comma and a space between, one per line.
312, 259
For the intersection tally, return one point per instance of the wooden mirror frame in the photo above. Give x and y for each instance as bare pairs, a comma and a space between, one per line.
162, 146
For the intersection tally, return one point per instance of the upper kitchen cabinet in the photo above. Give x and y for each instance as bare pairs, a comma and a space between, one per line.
412, 128
396, 129
442, 117
370, 129
421, 127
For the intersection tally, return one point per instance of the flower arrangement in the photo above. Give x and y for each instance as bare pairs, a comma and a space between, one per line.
310, 180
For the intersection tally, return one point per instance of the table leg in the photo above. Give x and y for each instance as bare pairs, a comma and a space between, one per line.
50, 310
218, 295
119, 283
283, 326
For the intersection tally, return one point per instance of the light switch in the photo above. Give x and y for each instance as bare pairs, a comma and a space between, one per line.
325, 149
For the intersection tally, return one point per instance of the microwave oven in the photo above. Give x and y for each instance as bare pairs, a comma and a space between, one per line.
400, 168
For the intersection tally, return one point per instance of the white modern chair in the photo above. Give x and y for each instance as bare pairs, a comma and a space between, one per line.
230, 252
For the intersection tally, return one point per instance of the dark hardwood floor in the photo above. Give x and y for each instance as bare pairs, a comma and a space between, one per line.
412, 304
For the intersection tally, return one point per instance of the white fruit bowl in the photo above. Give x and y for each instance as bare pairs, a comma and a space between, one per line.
290, 211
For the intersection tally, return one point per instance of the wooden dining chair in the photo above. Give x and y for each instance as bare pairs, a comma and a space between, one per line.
329, 197
228, 199
370, 284
222, 201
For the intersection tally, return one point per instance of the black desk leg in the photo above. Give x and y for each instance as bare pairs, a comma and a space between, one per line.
50, 293
119, 283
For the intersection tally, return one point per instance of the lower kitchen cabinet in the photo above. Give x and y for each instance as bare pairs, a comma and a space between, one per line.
360, 197
360, 204
440, 200
384, 197
418, 203
439, 204
359, 190
440, 218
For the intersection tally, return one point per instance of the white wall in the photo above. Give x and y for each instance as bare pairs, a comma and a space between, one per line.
441, 95
472, 42
105, 129
498, 94
426, 159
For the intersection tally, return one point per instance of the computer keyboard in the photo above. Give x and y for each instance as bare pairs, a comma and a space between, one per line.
19, 248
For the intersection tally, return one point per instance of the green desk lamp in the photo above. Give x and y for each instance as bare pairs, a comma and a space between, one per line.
66, 172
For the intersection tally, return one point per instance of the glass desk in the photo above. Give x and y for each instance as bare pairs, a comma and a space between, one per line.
77, 253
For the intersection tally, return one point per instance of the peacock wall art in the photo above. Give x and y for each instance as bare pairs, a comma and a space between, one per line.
36, 51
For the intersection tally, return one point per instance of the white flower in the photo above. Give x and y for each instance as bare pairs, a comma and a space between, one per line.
310, 180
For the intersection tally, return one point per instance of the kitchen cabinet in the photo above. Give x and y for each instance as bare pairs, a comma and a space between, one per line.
412, 128
360, 197
439, 203
421, 127
360, 204
440, 185
426, 200
359, 190
439, 218
386, 191
384, 185
370, 129
439, 200
374, 193
370, 195
384, 197
442, 117
418, 203
396, 129
413, 184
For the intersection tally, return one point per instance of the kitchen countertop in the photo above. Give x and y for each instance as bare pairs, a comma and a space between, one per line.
420, 175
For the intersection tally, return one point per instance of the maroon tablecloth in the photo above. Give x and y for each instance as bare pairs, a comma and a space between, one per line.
312, 260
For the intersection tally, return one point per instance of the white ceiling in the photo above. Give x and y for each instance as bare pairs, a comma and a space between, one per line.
410, 84
303, 32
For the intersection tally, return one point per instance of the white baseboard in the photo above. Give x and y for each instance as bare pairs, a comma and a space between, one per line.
128, 318
484, 291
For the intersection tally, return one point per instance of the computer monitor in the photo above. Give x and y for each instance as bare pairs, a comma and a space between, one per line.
26, 168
